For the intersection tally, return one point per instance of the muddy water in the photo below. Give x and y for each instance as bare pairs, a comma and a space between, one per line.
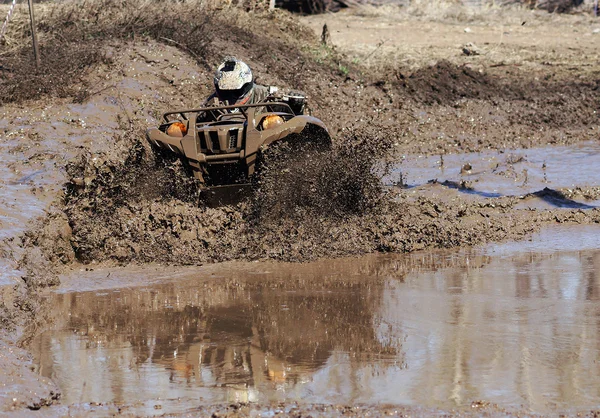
24, 189
515, 324
508, 173
34, 147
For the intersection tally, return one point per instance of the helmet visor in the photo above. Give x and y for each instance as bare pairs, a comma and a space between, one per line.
232, 96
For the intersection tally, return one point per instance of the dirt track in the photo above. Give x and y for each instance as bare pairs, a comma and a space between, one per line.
390, 85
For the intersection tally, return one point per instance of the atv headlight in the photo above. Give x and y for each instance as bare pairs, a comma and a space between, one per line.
177, 129
271, 121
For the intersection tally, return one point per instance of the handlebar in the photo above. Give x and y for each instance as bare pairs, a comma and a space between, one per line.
241, 108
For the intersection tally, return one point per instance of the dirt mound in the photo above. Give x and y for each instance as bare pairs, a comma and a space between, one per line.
446, 83
564, 102
62, 73
73, 39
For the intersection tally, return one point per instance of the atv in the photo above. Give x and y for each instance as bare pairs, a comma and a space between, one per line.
223, 146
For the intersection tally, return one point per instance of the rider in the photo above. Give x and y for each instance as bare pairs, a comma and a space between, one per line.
234, 84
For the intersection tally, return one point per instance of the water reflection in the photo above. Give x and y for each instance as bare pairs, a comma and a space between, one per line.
225, 339
519, 333
433, 329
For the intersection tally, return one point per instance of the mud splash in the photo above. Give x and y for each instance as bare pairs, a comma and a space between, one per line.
381, 329
145, 209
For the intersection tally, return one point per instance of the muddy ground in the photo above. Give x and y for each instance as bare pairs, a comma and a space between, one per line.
81, 189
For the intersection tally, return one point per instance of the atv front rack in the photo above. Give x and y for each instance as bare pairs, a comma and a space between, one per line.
228, 135
243, 109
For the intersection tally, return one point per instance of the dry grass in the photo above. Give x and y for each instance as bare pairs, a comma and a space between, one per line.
60, 75
72, 37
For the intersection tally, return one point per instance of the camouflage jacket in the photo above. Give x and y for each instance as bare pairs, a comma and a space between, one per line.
257, 94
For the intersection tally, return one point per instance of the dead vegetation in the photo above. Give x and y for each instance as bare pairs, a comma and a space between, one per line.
62, 73
72, 40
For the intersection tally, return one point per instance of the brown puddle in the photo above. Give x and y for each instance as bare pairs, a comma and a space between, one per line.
515, 324
509, 173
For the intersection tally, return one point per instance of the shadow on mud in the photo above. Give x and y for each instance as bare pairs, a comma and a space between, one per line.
560, 200
554, 198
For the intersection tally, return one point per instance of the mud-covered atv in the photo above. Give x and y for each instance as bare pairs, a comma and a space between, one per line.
224, 145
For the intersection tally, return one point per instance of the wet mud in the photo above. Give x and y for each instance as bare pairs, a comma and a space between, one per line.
21, 386
437, 153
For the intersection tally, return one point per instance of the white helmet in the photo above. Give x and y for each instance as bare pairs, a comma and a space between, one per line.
233, 80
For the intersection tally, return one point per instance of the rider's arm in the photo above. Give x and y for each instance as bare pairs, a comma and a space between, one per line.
212, 100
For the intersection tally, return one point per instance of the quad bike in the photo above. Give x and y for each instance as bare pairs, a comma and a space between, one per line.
222, 146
